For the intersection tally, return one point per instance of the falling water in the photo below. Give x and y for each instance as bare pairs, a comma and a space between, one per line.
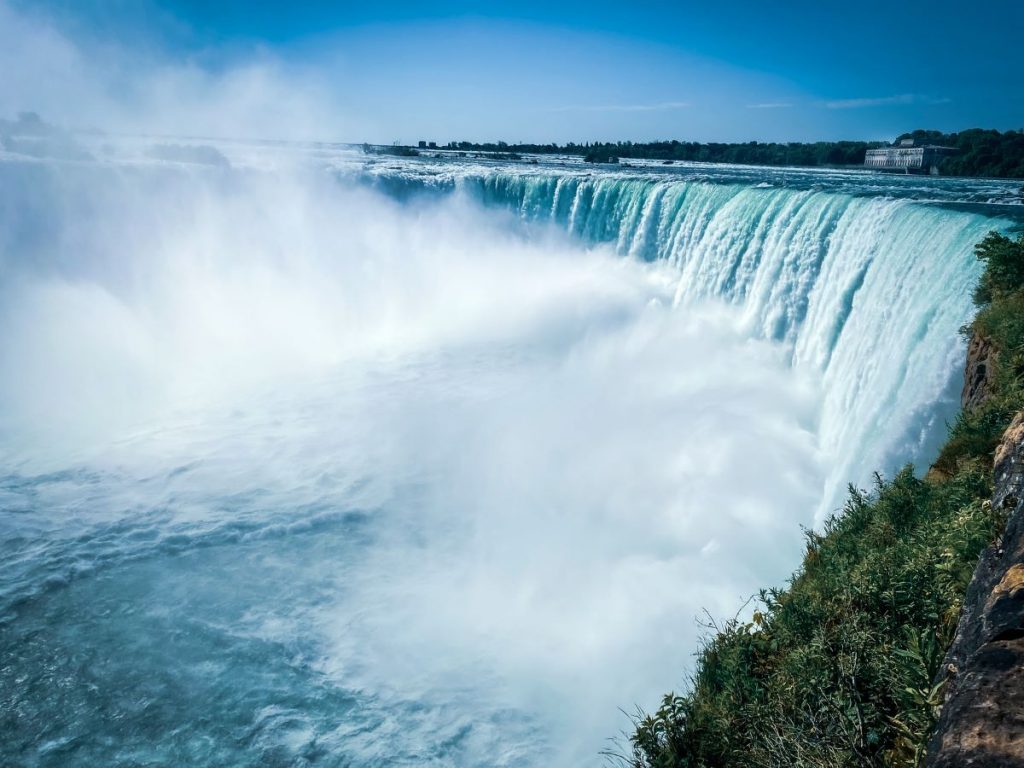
317, 461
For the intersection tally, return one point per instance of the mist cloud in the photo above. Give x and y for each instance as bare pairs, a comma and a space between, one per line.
550, 449
83, 84
547, 449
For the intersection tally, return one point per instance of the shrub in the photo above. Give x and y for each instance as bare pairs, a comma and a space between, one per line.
1004, 267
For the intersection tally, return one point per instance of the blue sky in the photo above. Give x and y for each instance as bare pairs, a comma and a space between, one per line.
534, 71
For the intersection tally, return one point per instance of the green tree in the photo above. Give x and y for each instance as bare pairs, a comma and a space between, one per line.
1004, 267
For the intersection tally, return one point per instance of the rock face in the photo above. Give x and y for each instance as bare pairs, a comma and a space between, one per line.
982, 720
977, 373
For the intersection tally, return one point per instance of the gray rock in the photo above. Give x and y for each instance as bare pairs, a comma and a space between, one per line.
977, 373
982, 720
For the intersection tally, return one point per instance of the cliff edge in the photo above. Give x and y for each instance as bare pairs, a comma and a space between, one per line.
978, 379
982, 719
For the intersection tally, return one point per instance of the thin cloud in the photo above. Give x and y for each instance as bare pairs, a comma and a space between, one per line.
885, 101
770, 105
662, 106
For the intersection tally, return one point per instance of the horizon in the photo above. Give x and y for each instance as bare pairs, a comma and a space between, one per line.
445, 144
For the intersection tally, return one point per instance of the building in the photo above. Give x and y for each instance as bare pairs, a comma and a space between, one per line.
907, 157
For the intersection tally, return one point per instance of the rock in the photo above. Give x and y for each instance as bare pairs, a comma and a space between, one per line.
982, 720
978, 385
1008, 465
977, 372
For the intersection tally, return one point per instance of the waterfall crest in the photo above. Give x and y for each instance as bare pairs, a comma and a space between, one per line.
864, 292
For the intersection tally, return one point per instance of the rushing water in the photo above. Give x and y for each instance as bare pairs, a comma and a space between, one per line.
311, 459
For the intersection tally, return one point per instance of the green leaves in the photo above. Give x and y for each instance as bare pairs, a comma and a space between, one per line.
1004, 267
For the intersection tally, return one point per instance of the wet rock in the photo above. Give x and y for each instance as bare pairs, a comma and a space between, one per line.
977, 372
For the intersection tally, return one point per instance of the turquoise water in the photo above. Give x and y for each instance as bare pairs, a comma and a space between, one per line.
312, 460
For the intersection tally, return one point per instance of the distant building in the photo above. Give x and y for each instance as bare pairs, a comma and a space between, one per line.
907, 157
423, 145
432, 144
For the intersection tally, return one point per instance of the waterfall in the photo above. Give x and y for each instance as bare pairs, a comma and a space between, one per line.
866, 293
301, 468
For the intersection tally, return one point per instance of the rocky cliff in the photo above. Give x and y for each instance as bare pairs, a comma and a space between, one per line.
977, 372
982, 720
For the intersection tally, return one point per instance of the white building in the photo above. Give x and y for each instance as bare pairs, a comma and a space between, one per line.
907, 157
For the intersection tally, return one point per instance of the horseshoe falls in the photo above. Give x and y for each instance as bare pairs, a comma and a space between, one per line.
315, 459
797, 263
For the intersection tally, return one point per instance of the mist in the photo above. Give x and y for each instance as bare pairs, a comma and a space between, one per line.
100, 84
411, 481
549, 451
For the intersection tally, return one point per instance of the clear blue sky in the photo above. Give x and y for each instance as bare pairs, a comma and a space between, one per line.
548, 71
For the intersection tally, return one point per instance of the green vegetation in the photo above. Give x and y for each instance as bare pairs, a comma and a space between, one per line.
839, 668
1000, 319
822, 153
753, 153
395, 150
606, 154
981, 152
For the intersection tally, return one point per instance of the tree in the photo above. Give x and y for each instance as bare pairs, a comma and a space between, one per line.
1004, 267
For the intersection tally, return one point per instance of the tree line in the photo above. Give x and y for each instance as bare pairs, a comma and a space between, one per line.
980, 152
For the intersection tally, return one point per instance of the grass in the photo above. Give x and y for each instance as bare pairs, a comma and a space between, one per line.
838, 668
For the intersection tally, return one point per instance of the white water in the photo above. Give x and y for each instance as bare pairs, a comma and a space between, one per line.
299, 472
839, 279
